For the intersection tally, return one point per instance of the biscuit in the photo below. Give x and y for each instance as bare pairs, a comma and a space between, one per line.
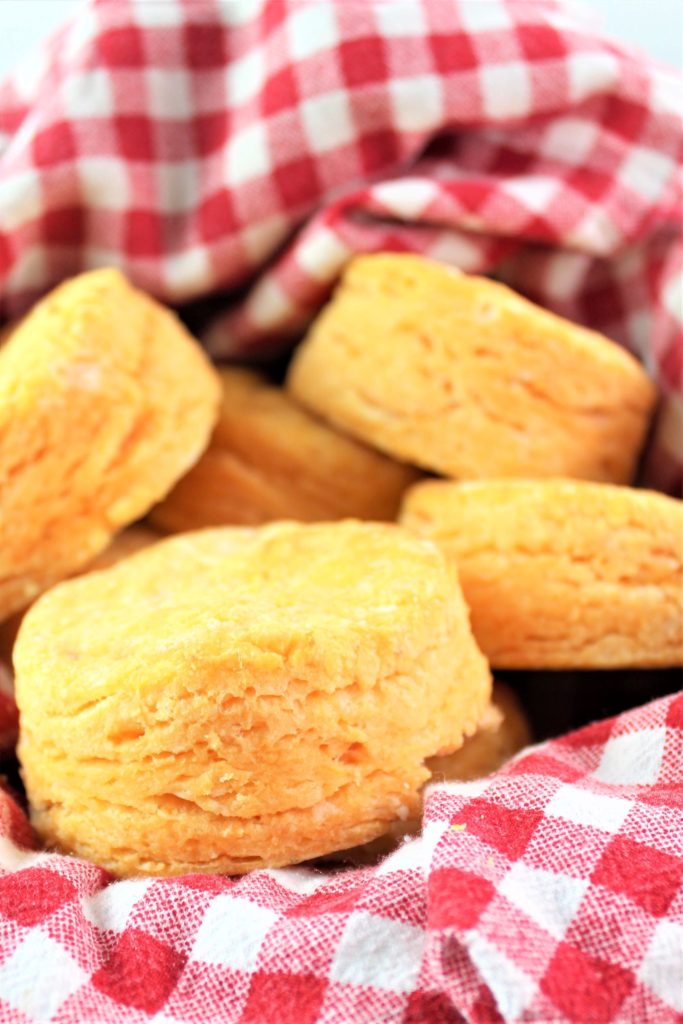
105, 401
135, 538
561, 573
462, 376
502, 732
235, 698
270, 459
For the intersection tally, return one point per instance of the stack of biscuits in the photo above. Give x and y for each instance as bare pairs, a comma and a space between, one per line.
441, 488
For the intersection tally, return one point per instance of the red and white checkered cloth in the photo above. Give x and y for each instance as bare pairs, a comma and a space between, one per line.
250, 147
549, 892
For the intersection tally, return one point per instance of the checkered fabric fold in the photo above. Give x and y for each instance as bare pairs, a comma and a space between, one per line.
549, 892
252, 146
248, 149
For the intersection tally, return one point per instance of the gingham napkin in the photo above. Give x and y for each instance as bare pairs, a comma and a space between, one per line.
249, 148
549, 892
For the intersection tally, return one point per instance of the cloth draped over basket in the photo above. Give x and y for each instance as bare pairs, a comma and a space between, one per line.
246, 150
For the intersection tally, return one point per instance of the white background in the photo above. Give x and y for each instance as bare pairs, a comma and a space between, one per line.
655, 26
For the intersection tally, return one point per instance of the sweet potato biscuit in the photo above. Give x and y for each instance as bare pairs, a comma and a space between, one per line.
460, 375
135, 538
562, 573
502, 732
241, 697
270, 459
105, 400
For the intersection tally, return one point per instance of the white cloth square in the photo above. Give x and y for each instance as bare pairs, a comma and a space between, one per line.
662, 967
416, 103
549, 899
312, 28
582, 807
632, 759
506, 89
39, 957
327, 121
377, 951
232, 932
109, 909
247, 155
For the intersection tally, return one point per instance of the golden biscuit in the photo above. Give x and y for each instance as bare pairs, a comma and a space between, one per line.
269, 459
562, 573
135, 538
460, 375
105, 400
502, 732
234, 698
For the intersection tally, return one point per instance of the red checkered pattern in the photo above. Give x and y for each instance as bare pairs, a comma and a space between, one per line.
250, 148
550, 892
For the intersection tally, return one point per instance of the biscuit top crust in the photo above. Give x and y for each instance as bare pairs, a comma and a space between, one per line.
54, 344
95, 335
545, 515
408, 276
340, 595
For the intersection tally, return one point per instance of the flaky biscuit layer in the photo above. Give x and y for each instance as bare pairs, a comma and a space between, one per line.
502, 733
